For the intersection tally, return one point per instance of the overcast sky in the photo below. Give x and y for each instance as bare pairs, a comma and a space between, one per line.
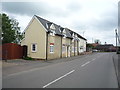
96, 18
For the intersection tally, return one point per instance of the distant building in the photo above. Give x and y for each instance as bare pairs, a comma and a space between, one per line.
106, 48
46, 40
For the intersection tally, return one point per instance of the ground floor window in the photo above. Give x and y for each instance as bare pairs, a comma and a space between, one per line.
51, 48
72, 49
75, 49
34, 47
63, 49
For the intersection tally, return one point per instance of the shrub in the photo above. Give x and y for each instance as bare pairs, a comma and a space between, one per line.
28, 58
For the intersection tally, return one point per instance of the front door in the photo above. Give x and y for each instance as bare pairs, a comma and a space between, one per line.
68, 51
24, 51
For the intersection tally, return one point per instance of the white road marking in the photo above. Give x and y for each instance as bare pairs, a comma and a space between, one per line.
85, 64
58, 79
93, 59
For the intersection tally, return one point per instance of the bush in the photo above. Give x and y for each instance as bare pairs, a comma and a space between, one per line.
28, 58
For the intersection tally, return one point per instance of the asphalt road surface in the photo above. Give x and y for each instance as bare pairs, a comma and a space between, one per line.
91, 71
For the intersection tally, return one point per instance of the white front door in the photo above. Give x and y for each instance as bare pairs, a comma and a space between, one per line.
68, 51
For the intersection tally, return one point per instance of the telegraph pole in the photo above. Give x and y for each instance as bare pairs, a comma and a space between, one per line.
116, 39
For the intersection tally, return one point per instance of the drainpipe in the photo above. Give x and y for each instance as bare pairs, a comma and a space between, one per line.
61, 46
77, 48
46, 46
74, 47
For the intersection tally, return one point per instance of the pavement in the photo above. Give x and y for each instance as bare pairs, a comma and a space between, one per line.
18, 65
116, 60
88, 71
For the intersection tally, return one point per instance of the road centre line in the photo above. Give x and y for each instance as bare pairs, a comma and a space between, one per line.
93, 59
85, 64
58, 79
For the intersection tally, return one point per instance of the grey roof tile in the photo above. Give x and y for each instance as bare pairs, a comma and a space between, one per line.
58, 28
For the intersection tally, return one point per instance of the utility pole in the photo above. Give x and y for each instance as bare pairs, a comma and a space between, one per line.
116, 39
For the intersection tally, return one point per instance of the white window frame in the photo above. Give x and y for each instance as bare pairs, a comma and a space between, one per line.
72, 40
75, 49
72, 48
73, 35
32, 47
52, 51
63, 49
47, 25
52, 34
60, 30
64, 36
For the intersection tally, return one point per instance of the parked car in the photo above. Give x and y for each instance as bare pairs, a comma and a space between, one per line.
95, 50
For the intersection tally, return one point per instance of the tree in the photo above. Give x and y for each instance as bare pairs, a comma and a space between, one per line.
10, 30
97, 41
90, 46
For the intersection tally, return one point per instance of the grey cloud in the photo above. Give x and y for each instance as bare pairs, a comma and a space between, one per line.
107, 23
24, 8
32, 8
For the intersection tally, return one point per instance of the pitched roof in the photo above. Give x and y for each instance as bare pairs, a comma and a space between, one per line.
105, 46
58, 28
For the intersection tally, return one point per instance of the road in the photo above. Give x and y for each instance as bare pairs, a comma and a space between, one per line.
91, 71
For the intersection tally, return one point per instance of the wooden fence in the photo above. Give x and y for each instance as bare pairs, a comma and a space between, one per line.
12, 51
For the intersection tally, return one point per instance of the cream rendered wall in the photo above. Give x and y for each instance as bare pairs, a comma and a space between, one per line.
79, 45
72, 47
35, 33
83, 44
76, 48
67, 43
57, 46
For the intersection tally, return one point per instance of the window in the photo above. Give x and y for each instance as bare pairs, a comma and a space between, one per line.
51, 48
24, 35
64, 33
52, 33
73, 35
47, 25
75, 49
72, 40
64, 36
34, 48
72, 49
59, 30
63, 49
52, 27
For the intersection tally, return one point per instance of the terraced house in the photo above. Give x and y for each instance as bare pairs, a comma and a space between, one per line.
46, 40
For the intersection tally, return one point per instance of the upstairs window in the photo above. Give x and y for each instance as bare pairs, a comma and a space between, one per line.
73, 35
64, 33
52, 33
76, 36
52, 27
34, 47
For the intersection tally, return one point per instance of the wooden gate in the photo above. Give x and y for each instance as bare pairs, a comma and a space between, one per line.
25, 51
